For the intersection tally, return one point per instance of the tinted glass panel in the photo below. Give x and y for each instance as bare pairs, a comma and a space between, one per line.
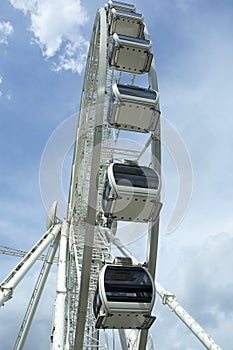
123, 283
134, 40
132, 14
123, 4
132, 175
137, 91
97, 303
107, 188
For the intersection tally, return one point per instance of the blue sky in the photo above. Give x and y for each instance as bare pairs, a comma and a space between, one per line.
42, 56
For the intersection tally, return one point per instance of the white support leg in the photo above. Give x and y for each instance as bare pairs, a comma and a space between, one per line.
16, 275
170, 300
58, 329
36, 298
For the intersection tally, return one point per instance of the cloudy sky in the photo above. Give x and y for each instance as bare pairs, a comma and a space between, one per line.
43, 45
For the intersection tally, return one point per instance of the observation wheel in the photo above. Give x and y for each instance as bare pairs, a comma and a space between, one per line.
119, 96
105, 300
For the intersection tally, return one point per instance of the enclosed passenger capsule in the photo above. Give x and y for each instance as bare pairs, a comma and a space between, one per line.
130, 54
118, 5
131, 193
124, 6
126, 23
124, 297
133, 108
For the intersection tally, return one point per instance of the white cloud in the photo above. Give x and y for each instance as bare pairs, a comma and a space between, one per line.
0, 85
6, 30
200, 276
204, 284
56, 27
73, 57
24, 5
2, 92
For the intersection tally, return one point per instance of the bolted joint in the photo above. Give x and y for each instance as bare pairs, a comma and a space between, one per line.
166, 296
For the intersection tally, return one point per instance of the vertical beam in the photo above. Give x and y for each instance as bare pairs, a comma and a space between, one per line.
93, 190
58, 329
156, 165
123, 339
153, 232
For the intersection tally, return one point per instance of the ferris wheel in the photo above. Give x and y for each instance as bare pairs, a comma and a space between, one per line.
104, 300
108, 185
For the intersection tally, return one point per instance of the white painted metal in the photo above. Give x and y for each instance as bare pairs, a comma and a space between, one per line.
93, 190
126, 23
123, 339
51, 217
36, 295
121, 5
130, 55
129, 110
5, 250
58, 328
156, 165
169, 299
16, 275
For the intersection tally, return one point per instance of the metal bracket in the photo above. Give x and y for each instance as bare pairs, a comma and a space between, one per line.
166, 296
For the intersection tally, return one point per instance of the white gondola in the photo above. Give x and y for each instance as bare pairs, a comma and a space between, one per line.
126, 23
131, 193
133, 108
124, 6
124, 298
130, 54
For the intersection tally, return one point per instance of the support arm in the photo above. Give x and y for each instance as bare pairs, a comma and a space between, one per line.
16, 275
